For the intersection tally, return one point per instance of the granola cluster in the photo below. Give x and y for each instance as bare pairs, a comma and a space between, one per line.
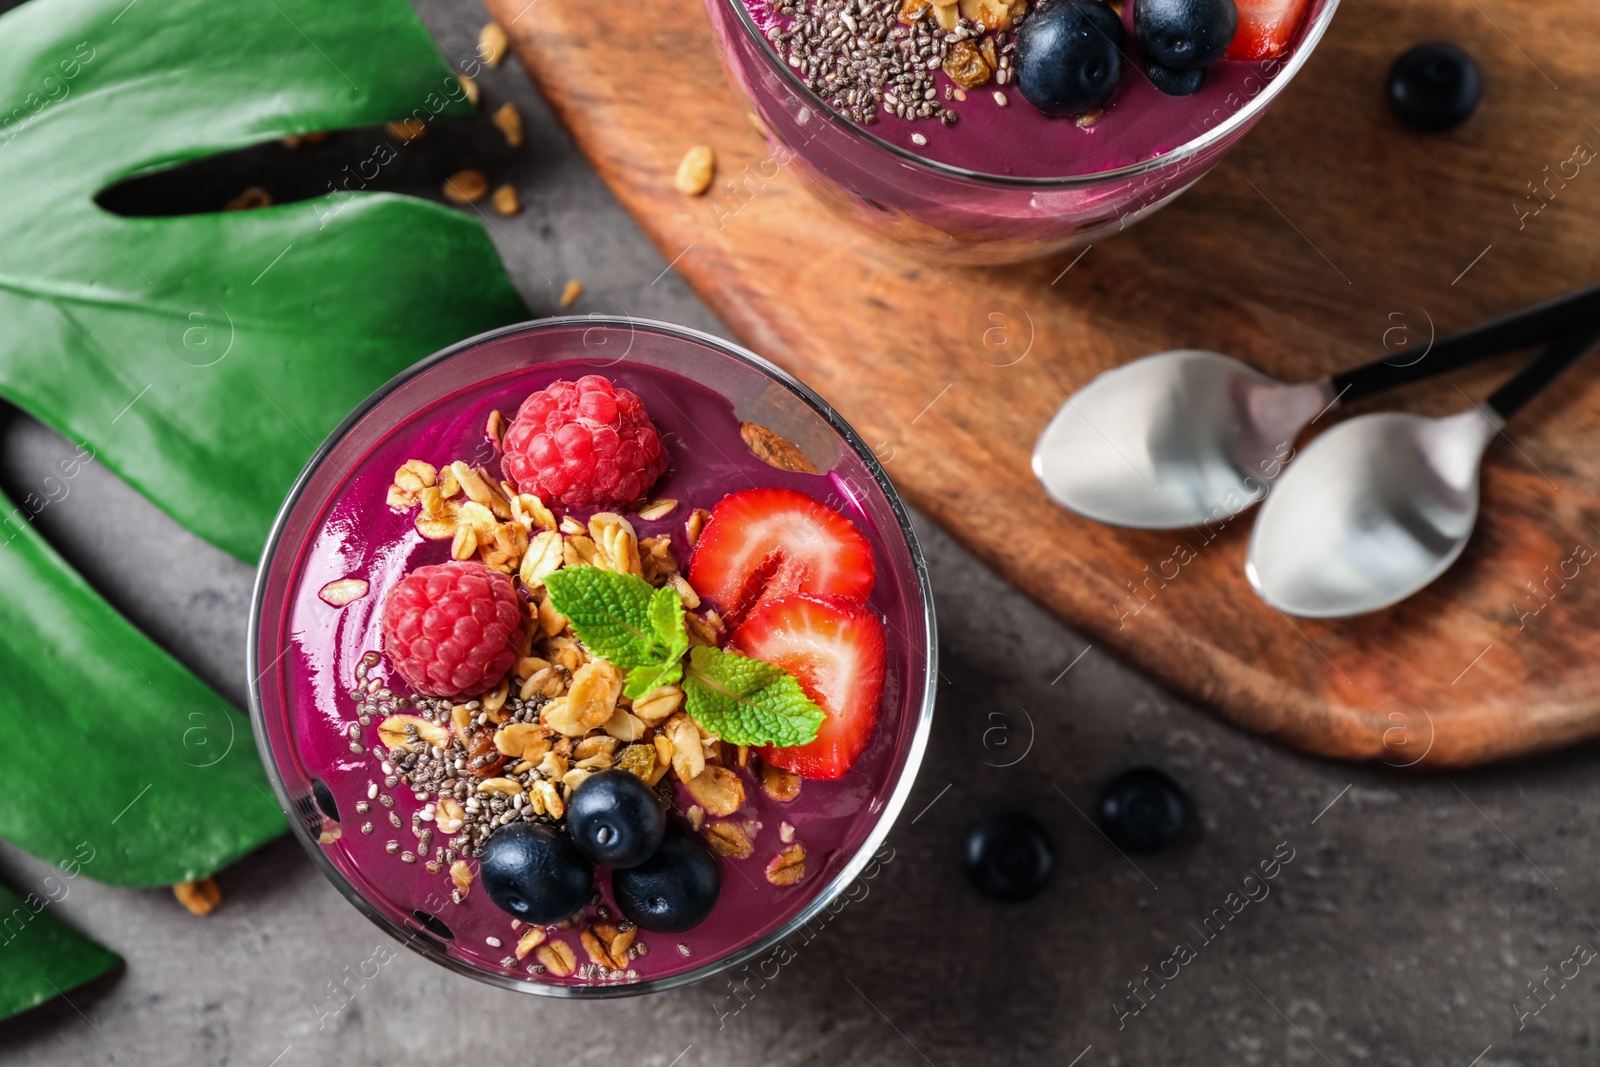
519, 751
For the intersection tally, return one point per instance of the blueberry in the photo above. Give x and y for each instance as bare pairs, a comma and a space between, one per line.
1175, 82
1434, 86
534, 872
1009, 856
1184, 34
615, 819
1069, 56
1142, 810
673, 890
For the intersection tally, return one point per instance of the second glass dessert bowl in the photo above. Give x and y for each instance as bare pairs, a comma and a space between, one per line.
978, 174
581, 801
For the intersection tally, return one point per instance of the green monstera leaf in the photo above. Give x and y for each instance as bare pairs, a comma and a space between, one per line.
241, 338
41, 957
201, 358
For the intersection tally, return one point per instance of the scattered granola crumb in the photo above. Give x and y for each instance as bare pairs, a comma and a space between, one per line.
918, 139
695, 170
774, 449
466, 186
506, 201
492, 44
470, 87
201, 897
789, 866
249, 200
1088, 118
509, 120
571, 293
406, 130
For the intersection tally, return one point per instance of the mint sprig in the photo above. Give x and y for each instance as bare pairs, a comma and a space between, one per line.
620, 617
640, 629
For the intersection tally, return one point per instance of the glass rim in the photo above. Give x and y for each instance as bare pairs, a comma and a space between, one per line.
1313, 35
894, 803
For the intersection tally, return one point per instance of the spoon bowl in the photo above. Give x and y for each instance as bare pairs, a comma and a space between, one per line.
1381, 505
1174, 439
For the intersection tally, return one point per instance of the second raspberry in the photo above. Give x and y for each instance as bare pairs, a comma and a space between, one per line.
586, 443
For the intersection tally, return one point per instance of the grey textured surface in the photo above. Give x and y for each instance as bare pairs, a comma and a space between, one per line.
1412, 917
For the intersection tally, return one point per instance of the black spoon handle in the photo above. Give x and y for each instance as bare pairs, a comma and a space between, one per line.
1578, 341
1539, 324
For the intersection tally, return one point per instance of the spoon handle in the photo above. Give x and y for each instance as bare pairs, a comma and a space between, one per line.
1520, 329
1575, 343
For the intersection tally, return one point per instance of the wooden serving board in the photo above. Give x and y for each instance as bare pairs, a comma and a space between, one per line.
1328, 234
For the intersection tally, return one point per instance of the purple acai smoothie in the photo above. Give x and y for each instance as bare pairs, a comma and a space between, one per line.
328, 648
966, 108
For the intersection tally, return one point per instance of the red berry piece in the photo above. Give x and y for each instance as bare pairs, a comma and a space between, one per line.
834, 647
1265, 28
583, 443
452, 630
765, 543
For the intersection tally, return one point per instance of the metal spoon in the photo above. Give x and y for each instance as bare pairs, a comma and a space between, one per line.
1190, 437
1380, 505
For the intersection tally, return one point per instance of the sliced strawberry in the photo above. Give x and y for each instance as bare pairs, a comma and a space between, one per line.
1265, 27
834, 648
766, 543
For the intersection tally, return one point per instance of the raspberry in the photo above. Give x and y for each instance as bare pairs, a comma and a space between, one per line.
582, 443
452, 630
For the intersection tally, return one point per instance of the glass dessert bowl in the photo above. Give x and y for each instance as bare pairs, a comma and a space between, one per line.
618, 734
961, 129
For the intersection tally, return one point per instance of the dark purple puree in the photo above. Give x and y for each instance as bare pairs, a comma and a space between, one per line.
1018, 140
360, 537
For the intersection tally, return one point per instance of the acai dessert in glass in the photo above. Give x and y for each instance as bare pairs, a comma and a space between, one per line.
593, 656
999, 130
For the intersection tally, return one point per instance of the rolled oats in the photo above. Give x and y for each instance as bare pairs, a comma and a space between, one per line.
558, 958
402, 731
688, 757
624, 726
658, 509
461, 876
616, 542
531, 938
779, 784
729, 839
658, 704
774, 449
449, 817
717, 789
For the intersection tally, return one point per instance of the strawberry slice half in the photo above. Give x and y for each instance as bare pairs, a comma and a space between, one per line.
766, 543
1265, 27
834, 647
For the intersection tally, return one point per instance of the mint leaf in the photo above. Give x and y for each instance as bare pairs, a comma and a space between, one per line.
748, 701
666, 616
615, 615
642, 680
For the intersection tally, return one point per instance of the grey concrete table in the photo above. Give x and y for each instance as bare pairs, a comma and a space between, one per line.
1408, 927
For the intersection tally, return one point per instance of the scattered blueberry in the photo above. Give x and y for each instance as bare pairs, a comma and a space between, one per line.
1069, 56
1184, 34
1009, 855
1435, 87
1143, 810
534, 872
1175, 82
615, 819
673, 890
